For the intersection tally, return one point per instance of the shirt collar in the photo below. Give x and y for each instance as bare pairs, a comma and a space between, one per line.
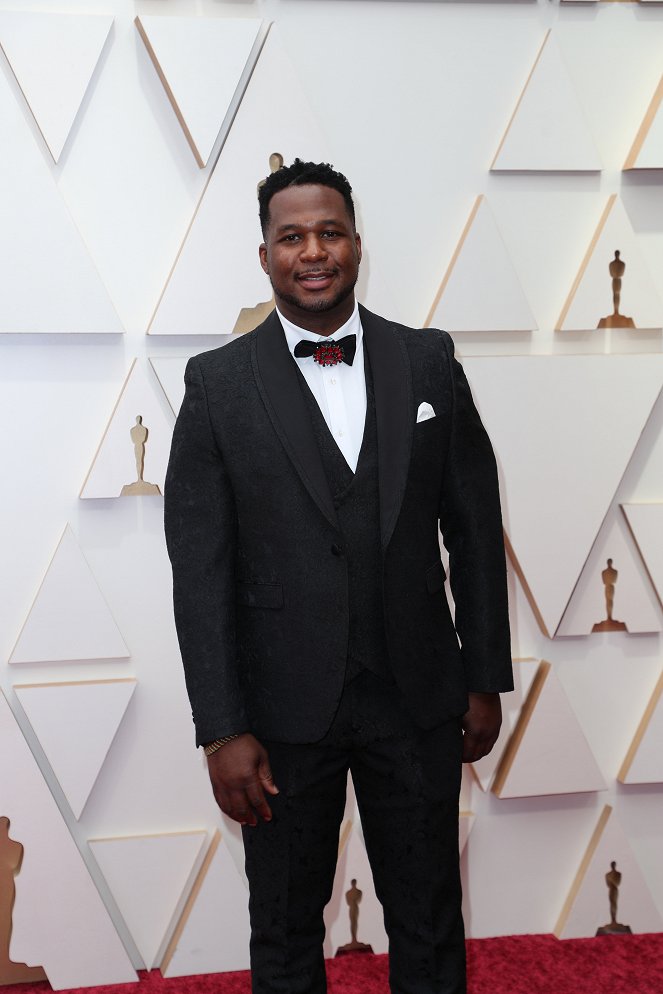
294, 334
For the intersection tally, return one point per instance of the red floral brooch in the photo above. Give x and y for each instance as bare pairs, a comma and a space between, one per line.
328, 355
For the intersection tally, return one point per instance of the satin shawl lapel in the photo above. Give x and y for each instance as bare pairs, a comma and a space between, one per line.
276, 377
392, 383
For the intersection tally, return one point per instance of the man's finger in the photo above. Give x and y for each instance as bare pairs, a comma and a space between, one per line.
266, 778
240, 809
259, 804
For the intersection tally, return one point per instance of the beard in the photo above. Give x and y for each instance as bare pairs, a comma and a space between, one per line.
316, 306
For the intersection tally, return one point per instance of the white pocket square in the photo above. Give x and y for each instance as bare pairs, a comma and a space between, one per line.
425, 412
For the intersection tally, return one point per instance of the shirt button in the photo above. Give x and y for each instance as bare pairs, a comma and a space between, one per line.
340, 434
336, 550
333, 382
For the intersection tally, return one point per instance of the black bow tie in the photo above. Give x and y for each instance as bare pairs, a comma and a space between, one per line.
329, 352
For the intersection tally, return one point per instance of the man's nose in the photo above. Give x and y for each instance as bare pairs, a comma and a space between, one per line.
313, 247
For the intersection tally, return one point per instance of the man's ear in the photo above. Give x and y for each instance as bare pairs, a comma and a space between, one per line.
358, 244
262, 252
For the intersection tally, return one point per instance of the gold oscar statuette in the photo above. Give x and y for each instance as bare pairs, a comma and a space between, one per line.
609, 576
613, 879
250, 317
11, 857
353, 900
139, 434
616, 320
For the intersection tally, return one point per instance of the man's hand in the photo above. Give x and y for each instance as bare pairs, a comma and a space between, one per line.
481, 725
240, 775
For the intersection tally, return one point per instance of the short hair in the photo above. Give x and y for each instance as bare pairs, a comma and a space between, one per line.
303, 174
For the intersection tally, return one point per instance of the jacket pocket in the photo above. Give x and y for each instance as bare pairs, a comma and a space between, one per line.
269, 595
435, 577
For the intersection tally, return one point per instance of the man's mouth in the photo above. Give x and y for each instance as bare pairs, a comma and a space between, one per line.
317, 279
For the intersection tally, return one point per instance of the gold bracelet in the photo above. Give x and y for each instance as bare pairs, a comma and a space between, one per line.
212, 747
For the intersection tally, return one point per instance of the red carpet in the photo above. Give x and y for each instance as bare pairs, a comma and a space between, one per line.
519, 964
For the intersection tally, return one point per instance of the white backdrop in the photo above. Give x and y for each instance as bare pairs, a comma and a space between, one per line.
410, 100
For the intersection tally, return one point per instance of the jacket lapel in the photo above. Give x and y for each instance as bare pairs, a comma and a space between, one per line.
392, 383
276, 377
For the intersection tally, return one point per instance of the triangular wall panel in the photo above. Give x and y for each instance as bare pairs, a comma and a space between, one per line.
147, 876
587, 908
647, 149
206, 289
547, 752
40, 245
591, 297
76, 724
468, 783
548, 130
212, 935
53, 57
170, 373
635, 603
69, 618
643, 762
480, 290
646, 524
59, 919
115, 464
200, 61
465, 826
584, 416
524, 672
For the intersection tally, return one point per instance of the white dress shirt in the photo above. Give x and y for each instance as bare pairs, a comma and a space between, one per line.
339, 390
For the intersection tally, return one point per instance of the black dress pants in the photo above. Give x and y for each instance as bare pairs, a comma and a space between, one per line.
407, 783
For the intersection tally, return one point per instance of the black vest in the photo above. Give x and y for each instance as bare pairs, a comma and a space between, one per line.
357, 501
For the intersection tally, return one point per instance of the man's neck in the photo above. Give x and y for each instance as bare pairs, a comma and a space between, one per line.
350, 325
323, 323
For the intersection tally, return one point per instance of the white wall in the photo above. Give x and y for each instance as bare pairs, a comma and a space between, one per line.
412, 100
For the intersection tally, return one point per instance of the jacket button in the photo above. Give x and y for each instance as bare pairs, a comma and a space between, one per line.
336, 550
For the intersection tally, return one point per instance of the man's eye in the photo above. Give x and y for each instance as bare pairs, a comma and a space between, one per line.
291, 238
330, 234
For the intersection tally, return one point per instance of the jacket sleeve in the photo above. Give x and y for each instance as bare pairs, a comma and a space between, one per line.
471, 525
201, 536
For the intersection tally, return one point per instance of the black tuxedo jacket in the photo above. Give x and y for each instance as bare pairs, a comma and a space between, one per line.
260, 577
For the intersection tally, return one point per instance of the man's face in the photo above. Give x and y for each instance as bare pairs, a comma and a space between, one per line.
311, 254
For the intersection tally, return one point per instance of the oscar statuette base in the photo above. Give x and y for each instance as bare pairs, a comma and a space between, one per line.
614, 928
609, 626
354, 947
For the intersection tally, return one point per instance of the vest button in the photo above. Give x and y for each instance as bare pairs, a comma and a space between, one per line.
336, 550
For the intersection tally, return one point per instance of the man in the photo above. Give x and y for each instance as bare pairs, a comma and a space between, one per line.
307, 479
